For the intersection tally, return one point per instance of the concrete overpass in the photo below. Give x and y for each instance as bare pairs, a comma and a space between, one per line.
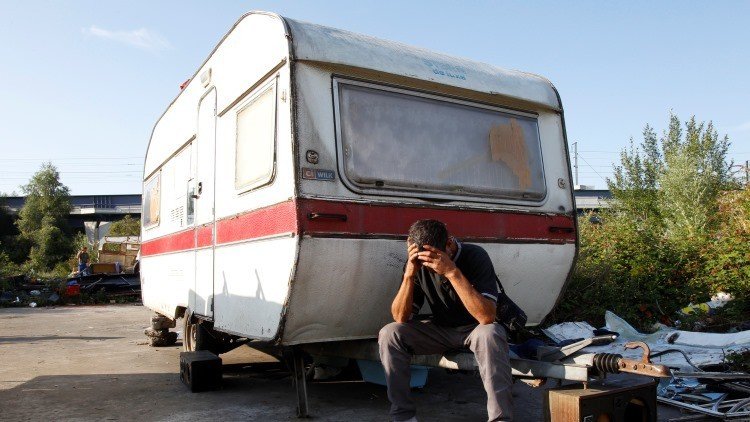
90, 214
591, 199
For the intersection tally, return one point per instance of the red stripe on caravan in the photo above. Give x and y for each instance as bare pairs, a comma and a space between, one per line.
276, 219
338, 218
181, 241
316, 217
204, 236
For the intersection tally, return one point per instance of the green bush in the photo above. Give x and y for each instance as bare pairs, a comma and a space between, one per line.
676, 232
727, 253
42, 220
7, 266
127, 226
51, 246
61, 270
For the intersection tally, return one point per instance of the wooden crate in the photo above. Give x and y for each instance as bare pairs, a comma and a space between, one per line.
623, 400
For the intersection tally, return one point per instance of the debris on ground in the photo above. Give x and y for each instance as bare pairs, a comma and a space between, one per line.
160, 338
569, 331
727, 400
111, 283
709, 370
121, 252
674, 348
91, 289
158, 334
717, 301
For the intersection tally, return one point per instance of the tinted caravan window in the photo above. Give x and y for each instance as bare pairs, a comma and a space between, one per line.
398, 140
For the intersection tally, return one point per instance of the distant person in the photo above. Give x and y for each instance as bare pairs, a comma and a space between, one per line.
83, 261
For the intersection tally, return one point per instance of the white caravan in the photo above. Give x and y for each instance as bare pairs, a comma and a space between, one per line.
280, 184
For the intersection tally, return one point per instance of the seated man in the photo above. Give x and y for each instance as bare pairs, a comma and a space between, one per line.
459, 283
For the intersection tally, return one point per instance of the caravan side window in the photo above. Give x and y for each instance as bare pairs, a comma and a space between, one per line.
397, 141
152, 201
256, 139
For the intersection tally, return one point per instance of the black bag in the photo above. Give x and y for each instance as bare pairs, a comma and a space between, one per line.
508, 313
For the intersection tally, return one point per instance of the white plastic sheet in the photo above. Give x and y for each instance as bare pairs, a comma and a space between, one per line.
701, 348
568, 331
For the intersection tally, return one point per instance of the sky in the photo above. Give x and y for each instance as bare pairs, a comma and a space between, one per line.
83, 82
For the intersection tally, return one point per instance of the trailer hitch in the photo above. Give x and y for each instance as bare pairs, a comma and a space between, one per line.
615, 363
644, 367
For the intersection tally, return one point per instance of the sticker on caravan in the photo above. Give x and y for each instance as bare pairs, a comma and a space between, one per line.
315, 174
445, 69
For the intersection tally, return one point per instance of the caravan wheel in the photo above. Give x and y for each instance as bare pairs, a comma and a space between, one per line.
197, 336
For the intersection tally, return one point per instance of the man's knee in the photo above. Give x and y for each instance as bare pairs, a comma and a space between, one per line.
489, 333
390, 331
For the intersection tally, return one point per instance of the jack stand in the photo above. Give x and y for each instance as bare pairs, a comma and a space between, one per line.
300, 382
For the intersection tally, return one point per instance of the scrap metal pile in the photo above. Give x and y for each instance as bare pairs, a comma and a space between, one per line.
96, 288
700, 383
23, 291
124, 284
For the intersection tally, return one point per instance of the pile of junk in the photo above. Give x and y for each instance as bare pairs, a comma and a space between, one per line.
116, 272
115, 275
704, 384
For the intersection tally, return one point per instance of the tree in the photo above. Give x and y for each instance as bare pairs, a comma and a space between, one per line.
42, 220
696, 172
15, 248
673, 183
128, 226
636, 179
664, 241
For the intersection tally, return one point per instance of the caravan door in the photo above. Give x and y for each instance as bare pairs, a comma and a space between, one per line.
202, 296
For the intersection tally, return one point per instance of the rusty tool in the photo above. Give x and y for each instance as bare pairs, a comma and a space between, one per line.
644, 367
615, 363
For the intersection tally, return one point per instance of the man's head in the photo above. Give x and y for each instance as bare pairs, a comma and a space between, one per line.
429, 232
85, 248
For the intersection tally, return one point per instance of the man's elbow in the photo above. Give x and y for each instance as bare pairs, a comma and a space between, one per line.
488, 316
400, 318
484, 320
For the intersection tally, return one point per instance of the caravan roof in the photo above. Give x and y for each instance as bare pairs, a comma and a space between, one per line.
321, 44
318, 43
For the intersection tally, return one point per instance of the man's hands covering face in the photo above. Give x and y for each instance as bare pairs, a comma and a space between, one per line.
436, 260
412, 264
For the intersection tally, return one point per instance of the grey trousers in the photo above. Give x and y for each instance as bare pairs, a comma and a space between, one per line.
399, 341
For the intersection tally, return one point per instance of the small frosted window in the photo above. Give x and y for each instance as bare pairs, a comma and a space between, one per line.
152, 201
397, 140
256, 134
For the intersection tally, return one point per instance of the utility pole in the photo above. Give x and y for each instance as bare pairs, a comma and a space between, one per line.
575, 161
747, 172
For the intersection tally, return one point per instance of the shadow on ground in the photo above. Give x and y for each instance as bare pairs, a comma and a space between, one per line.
32, 339
245, 396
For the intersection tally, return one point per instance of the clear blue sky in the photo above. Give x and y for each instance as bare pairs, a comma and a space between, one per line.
83, 82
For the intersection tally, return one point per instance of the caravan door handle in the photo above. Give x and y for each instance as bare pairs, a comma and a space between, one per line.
200, 191
324, 216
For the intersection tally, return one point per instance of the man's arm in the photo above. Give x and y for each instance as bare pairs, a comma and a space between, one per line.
480, 307
401, 308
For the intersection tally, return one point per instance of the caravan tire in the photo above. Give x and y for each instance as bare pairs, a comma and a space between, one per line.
197, 336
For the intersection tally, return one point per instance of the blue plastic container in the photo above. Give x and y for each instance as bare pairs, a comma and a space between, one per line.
373, 372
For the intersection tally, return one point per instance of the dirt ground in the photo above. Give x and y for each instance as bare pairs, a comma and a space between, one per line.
92, 363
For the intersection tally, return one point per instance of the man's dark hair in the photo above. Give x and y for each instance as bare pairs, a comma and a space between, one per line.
429, 232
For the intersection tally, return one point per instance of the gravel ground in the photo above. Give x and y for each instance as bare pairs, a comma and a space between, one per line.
92, 363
